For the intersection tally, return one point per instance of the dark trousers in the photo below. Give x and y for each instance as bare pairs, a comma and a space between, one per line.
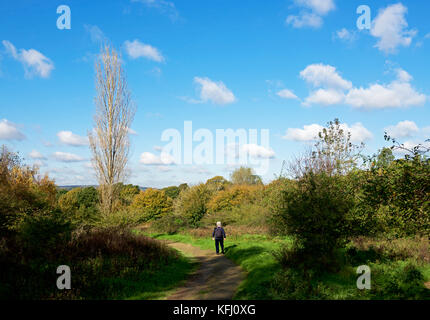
219, 242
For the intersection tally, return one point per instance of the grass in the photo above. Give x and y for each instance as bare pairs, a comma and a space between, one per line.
254, 253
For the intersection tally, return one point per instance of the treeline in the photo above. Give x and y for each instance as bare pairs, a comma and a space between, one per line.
42, 228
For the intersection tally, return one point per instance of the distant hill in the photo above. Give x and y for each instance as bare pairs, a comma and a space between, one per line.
84, 186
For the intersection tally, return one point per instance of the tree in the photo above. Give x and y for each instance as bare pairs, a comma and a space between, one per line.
109, 141
152, 204
192, 203
245, 175
217, 183
333, 153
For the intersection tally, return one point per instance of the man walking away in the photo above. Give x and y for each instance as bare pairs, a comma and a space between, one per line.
219, 235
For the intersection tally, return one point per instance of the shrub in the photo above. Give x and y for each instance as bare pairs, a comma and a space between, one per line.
169, 224
192, 204
314, 213
80, 205
396, 283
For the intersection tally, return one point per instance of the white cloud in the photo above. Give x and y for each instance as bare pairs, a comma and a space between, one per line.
71, 139
137, 49
216, 92
390, 27
34, 62
333, 89
403, 129
324, 97
165, 7
158, 148
427, 36
10, 131
310, 132
149, 158
256, 151
311, 14
345, 35
36, 155
321, 75
397, 94
286, 94
319, 6
305, 20
67, 157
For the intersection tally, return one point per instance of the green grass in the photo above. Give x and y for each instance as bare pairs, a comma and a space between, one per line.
252, 252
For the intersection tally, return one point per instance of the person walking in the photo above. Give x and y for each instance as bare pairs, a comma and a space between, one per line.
219, 235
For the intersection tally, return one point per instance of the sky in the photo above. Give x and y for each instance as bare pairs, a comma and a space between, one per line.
274, 71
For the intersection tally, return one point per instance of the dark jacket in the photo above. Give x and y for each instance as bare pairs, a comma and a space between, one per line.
222, 233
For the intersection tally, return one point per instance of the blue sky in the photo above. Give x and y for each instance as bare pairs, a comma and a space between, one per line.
287, 66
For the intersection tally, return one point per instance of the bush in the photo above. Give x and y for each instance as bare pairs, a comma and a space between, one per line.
192, 204
169, 224
80, 205
396, 283
314, 212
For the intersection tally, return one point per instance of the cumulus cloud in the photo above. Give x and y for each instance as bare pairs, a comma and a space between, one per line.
345, 35
397, 94
149, 158
34, 62
10, 131
333, 90
311, 13
390, 27
137, 49
324, 97
310, 132
321, 75
36, 155
286, 94
406, 129
215, 92
71, 139
67, 157
257, 151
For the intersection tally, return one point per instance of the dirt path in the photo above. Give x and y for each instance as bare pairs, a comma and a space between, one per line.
217, 278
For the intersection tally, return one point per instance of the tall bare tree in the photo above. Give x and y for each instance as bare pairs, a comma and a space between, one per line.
109, 140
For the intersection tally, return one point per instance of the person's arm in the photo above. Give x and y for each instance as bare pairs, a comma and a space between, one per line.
223, 232
213, 235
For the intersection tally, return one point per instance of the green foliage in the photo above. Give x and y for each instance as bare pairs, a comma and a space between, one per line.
151, 204
314, 212
394, 283
192, 204
217, 183
234, 196
127, 193
80, 205
169, 224
174, 191
246, 176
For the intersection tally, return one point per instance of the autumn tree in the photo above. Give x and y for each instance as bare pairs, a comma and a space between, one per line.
109, 140
245, 175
